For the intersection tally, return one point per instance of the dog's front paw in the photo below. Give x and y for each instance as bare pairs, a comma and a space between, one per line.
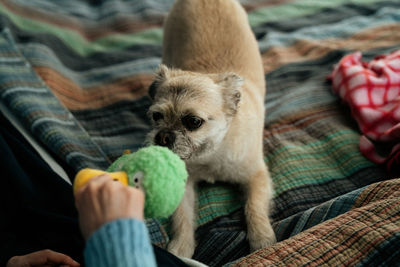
182, 249
264, 238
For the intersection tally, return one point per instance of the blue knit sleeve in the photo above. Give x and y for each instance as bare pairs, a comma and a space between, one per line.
120, 243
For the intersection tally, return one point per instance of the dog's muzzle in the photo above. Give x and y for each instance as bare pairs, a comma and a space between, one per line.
165, 138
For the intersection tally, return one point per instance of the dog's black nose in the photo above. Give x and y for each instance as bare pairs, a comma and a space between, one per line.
165, 138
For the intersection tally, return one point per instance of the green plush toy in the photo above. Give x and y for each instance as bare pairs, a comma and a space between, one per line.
156, 170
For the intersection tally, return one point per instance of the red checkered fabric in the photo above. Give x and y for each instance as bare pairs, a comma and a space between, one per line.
372, 90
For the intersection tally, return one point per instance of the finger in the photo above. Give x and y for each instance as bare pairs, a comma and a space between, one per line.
59, 258
109, 192
90, 188
96, 181
133, 200
137, 200
110, 185
136, 192
49, 257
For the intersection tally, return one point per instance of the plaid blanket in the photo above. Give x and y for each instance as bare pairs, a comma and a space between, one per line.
76, 74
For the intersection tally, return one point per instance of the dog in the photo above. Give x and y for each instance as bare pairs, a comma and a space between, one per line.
208, 107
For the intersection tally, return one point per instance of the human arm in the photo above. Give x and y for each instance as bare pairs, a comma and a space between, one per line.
111, 220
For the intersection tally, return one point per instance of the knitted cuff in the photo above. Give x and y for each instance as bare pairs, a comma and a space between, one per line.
123, 242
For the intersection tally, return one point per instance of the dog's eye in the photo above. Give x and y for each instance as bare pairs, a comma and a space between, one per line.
157, 116
192, 122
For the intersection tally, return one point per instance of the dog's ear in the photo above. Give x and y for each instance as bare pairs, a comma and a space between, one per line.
231, 85
161, 75
152, 90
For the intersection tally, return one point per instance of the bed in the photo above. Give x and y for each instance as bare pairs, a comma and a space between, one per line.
76, 74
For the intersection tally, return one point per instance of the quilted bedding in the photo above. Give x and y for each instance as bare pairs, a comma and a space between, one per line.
76, 74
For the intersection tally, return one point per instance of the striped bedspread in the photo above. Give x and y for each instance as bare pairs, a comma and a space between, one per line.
76, 74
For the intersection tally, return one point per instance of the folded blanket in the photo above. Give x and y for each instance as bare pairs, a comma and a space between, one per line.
372, 90
351, 239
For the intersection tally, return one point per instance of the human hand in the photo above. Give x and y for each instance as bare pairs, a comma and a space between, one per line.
103, 200
42, 258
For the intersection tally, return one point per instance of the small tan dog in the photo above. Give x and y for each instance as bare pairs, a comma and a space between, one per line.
208, 107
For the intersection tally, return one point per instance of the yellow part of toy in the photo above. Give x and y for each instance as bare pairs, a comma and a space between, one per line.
84, 175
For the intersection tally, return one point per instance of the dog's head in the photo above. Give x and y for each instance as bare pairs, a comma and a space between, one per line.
191, 112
